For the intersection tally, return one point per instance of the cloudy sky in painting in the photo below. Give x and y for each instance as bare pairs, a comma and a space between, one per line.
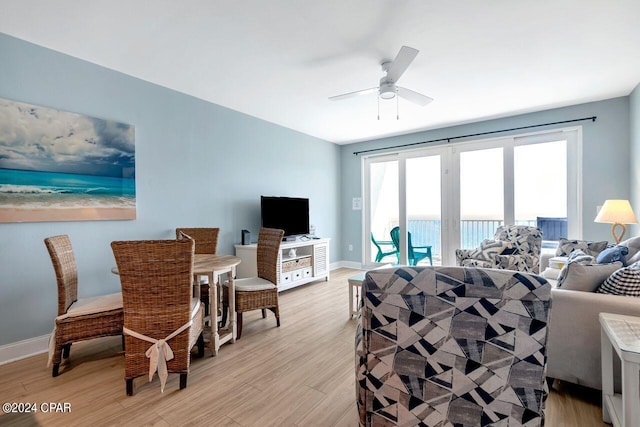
43, 139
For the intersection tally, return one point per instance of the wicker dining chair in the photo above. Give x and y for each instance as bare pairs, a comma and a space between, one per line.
78, 319
159, 307
259, 293
206, 243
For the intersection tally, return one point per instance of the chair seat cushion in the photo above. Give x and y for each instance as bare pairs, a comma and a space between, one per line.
488, 249
253, 284
93, 305
469, 262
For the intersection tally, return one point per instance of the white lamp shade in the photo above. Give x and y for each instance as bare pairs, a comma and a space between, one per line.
616, 212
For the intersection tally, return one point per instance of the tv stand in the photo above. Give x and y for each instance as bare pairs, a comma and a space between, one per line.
310, 262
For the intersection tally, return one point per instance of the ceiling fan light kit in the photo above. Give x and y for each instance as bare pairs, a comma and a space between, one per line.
387, 88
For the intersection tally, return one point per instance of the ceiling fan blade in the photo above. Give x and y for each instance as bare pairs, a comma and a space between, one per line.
353, 94
415, 97
399, 65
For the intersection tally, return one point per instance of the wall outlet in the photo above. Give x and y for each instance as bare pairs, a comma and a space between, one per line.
350, 247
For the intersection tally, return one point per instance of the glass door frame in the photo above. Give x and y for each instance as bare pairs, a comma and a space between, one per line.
367, 256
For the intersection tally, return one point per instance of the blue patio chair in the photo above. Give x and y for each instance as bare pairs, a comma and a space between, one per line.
381, 254
416, 253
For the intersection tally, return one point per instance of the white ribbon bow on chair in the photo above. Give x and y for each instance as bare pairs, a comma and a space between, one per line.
159, 353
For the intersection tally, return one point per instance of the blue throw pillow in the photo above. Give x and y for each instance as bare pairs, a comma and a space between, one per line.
613, 254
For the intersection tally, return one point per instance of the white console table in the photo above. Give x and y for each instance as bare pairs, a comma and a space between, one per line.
310, 263
621, 334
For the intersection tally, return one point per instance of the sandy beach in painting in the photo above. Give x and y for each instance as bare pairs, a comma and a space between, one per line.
34, 196
65, 214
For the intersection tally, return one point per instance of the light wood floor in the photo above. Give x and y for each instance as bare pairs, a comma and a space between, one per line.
300, 374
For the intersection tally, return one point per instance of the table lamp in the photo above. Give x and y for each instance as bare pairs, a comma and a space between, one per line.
618, 213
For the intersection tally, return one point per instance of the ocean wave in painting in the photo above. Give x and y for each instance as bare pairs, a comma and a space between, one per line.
28, 189
48, 190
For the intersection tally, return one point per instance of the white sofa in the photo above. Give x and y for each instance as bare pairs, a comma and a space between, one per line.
573, 344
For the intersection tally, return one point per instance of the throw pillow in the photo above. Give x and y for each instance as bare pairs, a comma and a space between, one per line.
613, 254
576, 257
633, 244
635, 258
587, 278
488, 249
580, 257
566, 246
625, 281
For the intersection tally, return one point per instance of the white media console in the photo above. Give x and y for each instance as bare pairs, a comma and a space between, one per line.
310, 262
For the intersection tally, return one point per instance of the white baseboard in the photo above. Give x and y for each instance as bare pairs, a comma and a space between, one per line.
22, 349
345, 264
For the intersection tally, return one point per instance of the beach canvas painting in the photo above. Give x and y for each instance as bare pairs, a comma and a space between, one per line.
61, 166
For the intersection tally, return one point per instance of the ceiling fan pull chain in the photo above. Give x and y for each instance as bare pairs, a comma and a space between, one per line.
397, 106
378, 107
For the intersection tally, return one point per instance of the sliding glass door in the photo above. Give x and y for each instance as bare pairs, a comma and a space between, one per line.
455, 196
383, 209
424, 209
404, 192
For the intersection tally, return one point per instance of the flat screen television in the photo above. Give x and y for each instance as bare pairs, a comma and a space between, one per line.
290, 214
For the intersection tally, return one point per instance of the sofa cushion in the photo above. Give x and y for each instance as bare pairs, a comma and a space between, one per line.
613, 254
488, 249
625, 281
566, 246
634, 249
551, 273
586, 278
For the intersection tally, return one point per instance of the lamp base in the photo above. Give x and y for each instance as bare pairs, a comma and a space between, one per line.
616, 237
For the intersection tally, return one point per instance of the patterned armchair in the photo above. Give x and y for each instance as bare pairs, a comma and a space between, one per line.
523, 253
444, 346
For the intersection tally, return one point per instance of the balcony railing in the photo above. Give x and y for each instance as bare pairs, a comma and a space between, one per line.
473, 231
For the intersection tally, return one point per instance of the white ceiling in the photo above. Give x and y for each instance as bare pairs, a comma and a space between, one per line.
280, 60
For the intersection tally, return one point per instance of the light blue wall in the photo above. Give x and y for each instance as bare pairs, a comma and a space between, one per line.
198, 164
605, 166
634, 157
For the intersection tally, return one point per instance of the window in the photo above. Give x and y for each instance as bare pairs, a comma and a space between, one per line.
456, 195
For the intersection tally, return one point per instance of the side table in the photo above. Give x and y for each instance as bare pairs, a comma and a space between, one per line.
622, 335
355, 283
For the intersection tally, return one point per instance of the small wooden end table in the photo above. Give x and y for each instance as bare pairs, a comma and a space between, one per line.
355, 283
622, 335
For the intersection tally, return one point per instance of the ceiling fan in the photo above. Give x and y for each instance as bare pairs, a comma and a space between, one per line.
388, 89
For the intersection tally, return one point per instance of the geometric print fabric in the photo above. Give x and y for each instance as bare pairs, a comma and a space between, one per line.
488, 249
522, 254
446, 346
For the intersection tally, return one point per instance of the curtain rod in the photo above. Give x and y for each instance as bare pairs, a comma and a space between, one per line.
592, 118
